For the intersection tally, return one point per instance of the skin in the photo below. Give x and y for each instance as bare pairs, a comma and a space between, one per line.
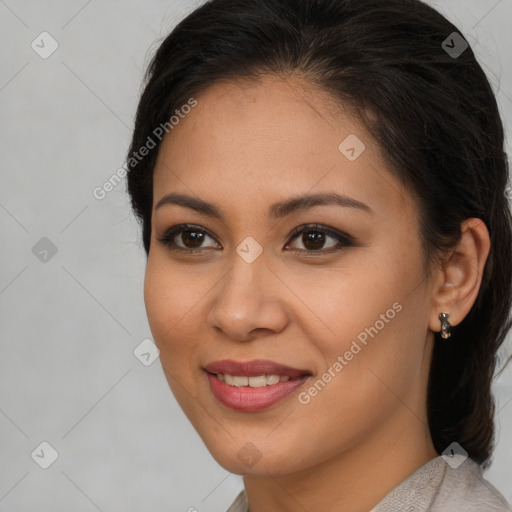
242, 148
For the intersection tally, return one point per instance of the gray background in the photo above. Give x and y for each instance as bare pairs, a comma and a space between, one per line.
69, 325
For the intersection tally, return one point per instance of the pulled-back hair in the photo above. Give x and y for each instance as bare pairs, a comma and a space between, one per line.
433, 114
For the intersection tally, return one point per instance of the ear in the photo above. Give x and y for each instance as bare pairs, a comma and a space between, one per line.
459, 278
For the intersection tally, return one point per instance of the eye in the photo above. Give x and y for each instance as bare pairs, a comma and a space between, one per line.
189, 238
314, 238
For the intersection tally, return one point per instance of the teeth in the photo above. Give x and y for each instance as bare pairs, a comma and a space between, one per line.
274, 379
254, 382
240, 381
259, 381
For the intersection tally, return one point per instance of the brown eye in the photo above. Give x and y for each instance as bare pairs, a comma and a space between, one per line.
186, 238
192, 239
319, 239
313, 240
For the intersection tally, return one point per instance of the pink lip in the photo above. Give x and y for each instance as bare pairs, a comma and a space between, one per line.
246, 398
254, 368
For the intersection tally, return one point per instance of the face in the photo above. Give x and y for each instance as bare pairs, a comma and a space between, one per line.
248, 269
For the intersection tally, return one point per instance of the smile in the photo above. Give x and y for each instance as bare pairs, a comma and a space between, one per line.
257, 381
254, 385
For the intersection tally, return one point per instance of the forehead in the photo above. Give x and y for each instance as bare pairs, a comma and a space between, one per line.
278, 135
281, 92
267, 118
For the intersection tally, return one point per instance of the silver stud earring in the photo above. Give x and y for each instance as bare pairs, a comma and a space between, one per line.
445, 326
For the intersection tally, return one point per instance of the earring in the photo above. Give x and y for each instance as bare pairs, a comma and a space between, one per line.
445, 326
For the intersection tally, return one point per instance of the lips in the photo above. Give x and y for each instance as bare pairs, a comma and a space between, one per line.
239, 384
254, 368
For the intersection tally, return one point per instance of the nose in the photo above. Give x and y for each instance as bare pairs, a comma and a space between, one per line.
249, 301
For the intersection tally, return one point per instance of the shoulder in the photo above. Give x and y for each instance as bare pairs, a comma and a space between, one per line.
435, 487
240, 504
439, 487
466, 487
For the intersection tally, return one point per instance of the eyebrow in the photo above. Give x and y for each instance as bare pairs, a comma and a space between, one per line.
276, 210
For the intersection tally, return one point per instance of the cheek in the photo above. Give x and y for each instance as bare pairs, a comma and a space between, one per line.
372, 323
346, 300
171, 291
172, 301
160, 298
171, 298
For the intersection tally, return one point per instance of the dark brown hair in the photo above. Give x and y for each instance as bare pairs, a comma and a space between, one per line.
432, 112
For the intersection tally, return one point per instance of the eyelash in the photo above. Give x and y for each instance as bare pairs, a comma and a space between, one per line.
344, 240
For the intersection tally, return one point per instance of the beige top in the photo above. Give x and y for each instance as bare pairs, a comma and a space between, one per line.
435, 487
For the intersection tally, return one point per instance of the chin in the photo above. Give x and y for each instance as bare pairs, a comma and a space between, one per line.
248, 458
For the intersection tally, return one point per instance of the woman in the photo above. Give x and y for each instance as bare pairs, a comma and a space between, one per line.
321, 186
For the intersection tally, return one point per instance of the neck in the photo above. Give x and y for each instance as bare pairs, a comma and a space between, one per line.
355, 480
